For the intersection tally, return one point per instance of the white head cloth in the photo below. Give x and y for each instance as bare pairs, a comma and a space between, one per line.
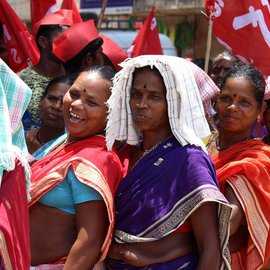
185, 108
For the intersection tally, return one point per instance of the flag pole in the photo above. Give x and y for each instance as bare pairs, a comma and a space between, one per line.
208, 45
102, 12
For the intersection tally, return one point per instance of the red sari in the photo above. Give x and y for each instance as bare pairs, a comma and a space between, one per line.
246, 166
92, 164
14, 221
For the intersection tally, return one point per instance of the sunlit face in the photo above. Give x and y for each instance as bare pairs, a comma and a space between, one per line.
148, 102
84, 106
51, 106
237, 106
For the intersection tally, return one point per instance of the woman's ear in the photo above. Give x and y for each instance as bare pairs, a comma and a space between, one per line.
87, 61
42, 42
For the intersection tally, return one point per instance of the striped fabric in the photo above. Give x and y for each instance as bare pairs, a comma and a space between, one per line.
187, 86
14, 98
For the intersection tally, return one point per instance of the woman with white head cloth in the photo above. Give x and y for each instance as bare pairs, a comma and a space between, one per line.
170, 185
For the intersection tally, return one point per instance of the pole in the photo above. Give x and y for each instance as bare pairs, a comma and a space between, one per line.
208, 46
102, 12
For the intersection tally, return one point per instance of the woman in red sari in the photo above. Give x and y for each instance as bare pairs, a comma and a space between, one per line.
243, 166
72, 188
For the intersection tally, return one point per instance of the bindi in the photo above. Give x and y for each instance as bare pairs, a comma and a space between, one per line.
234, 95
84, 90
144, 86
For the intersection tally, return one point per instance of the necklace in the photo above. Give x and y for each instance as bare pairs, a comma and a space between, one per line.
220, 148
140, 148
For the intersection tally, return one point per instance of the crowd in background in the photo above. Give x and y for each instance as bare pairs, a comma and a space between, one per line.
110, 162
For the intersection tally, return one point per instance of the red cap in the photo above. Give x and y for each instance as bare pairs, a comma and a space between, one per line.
62, 16
113, 51
74, 39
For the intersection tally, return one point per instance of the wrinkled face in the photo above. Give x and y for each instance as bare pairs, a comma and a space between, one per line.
51, 106
237, 106
148, 102
219, 69
84, 107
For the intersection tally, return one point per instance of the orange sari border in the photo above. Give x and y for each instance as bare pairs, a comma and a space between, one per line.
246, 167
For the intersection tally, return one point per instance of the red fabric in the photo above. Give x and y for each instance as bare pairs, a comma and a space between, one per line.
14, 224
63, 16
92, 149
74, 39
71, 5
252, 160
209, 6
147, 40
243, 27
41, 8
185, 227
19, 43
113, 51
92, 164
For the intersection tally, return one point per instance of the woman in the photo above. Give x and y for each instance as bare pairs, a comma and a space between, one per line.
51, 116
71, 208
243, 166
171, 184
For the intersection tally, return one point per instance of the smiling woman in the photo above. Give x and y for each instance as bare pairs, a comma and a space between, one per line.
243, 166
72, 188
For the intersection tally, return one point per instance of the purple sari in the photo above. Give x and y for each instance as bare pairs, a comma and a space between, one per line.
158, 195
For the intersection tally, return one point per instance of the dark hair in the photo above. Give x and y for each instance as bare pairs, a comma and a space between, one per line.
73, 65
251, 74
267, 103
61, 79
46, 31
105, 72
107, 61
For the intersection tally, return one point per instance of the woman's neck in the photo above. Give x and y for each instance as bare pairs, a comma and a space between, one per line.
227, 139
46, 133
151, 139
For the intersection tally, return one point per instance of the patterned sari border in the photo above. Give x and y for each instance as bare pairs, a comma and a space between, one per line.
4, 252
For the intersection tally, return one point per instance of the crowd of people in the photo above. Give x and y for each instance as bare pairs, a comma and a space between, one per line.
114, 163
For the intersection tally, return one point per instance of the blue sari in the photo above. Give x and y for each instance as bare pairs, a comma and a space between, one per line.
159, 194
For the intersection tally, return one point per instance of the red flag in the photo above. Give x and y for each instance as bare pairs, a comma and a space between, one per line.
41, 8
209, 6
19, 43
243, 27
70, 4
147, 40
